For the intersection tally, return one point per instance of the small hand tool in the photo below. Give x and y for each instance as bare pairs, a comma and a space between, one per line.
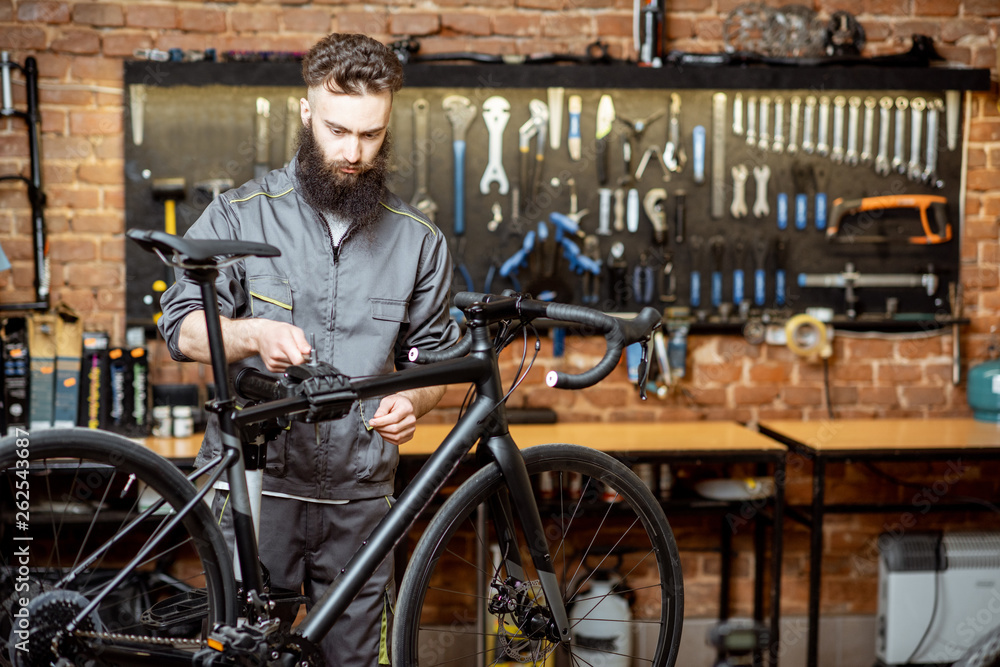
868, 134
738, 209
823, 127
555, 104
764, 121
696, 245
674, 155
654, 203
953, 109
779, 125
460, 112
898, 158
421, 199
667, 280
794, 106
617, 270
698, 151
780, 287
853, 118
574, 142
717, 246
929, 175
605, 121
913, 168
808, 146
680, 215
885, 114
751, 133
781, 210
819, 180
643, 281
761, 249
262, 139
718, 201
739, 277
738, 128
837, 150
496, 113
762, 175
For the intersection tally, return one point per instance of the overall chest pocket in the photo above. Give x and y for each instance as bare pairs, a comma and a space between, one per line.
270, 298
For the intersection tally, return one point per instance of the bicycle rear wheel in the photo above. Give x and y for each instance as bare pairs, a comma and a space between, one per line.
612, 550
72, 504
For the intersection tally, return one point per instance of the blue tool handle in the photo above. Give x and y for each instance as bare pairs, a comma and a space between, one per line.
459, 149
695, 289
514, 262
698, 137
759, 287
716, 288
782, 210
779, 287
574, 125
801, 211
738, 284
564, 223
820, 210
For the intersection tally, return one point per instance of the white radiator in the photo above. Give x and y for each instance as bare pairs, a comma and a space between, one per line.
938, 594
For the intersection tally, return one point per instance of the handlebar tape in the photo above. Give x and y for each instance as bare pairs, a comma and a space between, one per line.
253, 385
459, 349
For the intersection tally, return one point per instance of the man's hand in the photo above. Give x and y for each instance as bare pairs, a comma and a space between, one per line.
279, 344
395, 420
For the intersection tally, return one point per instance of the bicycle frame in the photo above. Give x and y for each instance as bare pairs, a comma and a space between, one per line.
485, 422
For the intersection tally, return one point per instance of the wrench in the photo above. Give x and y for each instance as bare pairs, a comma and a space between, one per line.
604, 212
421, 199
898, 161
929, 176
673, 153
751, 120
822, 134
793, 125
853, 113
807, 125
765, 111
738, 128
882, 161
738, 209
460, 112
497, 212
779, 125
761, 174
837, 153
917, 106
496, 113
869, 131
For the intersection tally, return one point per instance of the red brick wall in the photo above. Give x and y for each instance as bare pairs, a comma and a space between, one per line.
80, 47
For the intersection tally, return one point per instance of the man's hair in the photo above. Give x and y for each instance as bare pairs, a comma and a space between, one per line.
352, 64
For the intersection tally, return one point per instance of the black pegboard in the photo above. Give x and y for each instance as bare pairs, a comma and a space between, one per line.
199, 130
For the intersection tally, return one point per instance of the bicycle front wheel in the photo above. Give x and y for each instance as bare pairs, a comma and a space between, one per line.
78, 505
612, 550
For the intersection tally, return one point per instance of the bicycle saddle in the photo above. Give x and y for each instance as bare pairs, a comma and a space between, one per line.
198, 250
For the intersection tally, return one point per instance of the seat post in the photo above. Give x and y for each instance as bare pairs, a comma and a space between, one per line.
205, 277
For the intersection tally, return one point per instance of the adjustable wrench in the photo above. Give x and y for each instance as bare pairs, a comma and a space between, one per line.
779, 125
868, 134
822, 133
793, 124
421, 199
496, 113
929, 176
853, 116
738, 209
898, 161
917, 106
765, 112
761, 174
837, 152
807, 125
460, 112
882, 160
738, 128
751, 120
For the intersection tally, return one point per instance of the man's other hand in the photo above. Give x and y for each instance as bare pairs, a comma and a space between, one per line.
395, 420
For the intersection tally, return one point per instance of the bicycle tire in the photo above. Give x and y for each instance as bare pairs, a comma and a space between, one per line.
426, 634
84, 486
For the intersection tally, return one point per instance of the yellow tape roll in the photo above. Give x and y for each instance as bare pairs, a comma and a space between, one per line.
803, 344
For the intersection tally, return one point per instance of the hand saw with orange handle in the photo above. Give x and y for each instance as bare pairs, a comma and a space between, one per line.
940, 233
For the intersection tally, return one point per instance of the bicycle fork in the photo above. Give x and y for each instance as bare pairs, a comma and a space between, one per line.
511, 463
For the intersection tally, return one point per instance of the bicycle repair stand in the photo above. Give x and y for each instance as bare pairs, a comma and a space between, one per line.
34, 182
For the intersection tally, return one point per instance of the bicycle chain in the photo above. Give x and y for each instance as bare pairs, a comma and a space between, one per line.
141, 639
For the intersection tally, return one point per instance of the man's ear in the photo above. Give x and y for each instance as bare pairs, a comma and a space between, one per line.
304, 111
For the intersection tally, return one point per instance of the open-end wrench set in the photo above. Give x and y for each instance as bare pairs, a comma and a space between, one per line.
714, 205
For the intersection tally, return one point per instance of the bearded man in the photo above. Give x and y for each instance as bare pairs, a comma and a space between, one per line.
362, 275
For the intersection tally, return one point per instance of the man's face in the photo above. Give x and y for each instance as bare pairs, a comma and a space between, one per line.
349, 129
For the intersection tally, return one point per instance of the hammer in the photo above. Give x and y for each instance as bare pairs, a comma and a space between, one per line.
169, 191
214, 186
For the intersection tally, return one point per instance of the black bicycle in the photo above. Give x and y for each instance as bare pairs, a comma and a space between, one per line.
111, 556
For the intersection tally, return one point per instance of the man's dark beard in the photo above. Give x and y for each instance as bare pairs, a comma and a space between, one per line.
353, 197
